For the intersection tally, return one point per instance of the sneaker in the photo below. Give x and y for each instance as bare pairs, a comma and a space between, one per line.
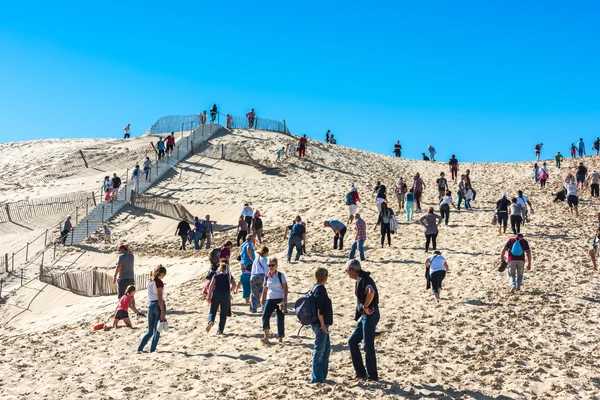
358, 377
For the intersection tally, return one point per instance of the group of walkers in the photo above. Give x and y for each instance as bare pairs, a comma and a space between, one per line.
110, 187
329, 138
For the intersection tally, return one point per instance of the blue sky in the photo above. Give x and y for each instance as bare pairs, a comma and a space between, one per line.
483, 80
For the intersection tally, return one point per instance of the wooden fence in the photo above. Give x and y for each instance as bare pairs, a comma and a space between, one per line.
24, 210
90, 283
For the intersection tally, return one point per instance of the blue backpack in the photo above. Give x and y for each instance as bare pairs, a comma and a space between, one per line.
348, 199
516, 249
306, 309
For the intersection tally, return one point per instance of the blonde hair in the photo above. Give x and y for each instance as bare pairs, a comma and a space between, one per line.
321, 274
223, 267
263, 250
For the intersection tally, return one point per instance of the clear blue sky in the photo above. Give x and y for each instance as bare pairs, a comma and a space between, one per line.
483, 80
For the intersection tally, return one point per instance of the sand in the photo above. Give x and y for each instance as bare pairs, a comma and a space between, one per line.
480, 342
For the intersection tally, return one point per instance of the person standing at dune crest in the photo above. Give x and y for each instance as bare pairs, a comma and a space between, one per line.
431, 151
453, 163
302, 146
250, 115
398, 149
558, 158
538, 150
581, 148
127, 132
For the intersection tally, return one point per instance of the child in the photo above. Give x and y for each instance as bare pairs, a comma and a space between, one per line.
468, 198
125, 303
106, 234
278, 152
543, 178
573, 150
409, 205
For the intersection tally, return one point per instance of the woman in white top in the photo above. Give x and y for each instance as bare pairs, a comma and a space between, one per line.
156, 307
436, 266
572, 198
274, 297
516, 216
445, 204
260, 268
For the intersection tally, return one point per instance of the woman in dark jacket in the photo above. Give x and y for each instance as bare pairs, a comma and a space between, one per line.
384, 220
320, 363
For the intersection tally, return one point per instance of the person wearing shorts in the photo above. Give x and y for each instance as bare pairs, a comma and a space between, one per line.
353, 207
572, 198
581, 175
502, 213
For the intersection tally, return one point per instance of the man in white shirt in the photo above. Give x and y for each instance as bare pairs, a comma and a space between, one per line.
523, 202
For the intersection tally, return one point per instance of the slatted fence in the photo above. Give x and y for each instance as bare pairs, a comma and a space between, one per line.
89, 283
24, 210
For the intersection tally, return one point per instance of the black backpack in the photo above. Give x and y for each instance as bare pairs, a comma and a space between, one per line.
215, 256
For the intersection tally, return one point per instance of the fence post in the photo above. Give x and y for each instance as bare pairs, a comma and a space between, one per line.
102, 213
178, 152
21, 277
222, 151
94, 198
94, 282
27, 252
42, 268
6, 261
54, 256
8, 213
87, 226
46, 238
87, 207
72, 234
1, 284
12, 262
76, 215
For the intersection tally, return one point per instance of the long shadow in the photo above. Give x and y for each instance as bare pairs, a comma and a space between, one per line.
200, 165
481, 303
181, 312
590, 299
398, 262
322, 166
92, 249
22, 226
460, 393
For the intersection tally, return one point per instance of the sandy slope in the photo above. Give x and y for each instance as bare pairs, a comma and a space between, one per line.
479, 343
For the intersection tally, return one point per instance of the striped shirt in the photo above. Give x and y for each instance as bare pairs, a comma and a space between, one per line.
361, 229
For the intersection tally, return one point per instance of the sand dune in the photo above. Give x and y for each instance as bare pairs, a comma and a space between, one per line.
480, 342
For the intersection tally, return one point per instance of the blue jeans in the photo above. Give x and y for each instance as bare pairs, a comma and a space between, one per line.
294, 241
219, 299
474, 193
365, 330
196, 238
270, 306
153, 318
461, 197
245, 280
320, 362
467, 204
361, 249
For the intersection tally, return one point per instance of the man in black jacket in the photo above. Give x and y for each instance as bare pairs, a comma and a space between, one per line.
182, 230
367, 315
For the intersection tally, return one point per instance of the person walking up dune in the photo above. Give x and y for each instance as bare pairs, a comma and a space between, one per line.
67, 227
436, 267
250, 115
517, 248
260, 268
418, 186
453, 168
385, 217
431, 222
431, 151
572, 198
324, 308
538, 150
182, 230
219, 298
360, 227
516, 216
297, 235
124, 273
594, 249
581, 175
502, 206
274, 298
400, 190
352, 198
157, 308
593, 180
445, 204
558, 158
581, 148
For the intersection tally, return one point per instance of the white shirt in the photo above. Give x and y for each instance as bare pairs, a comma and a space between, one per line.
522, 201
260, 266
571, 190
447, 200
436, 263
274, 286
247, 212
153, 291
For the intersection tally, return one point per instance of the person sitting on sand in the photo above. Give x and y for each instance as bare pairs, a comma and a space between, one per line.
431, 222
125, 303
324, 308
445, 204
157, 308
594, 249
517, 249
425, 158
219, 297
436, 267
274, 298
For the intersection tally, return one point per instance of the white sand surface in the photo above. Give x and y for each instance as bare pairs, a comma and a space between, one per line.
480, 342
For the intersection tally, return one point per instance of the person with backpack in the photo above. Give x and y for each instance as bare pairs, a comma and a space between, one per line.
247, 257
206, 232
274, 298
219, 297
367, 315
502, 206
436, 268
160, 146
400, 190
324, 314
260, 268
431, 151
296, 238
596, 146
352, 198
538, 150
523, 202
431, 221
257, 226
384, 220
593, 180
517, 248
340, 231
445, 204
410, 205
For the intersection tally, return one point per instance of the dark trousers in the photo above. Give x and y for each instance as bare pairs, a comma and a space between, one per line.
270, 306
430, 238
248, 221
219, 299
339, 237
418, 200
445, 212
397, 152
502, 218
241, 235
63, 236
594, 187
515, 223
385, 230
122, 286
184, 238
365, 330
